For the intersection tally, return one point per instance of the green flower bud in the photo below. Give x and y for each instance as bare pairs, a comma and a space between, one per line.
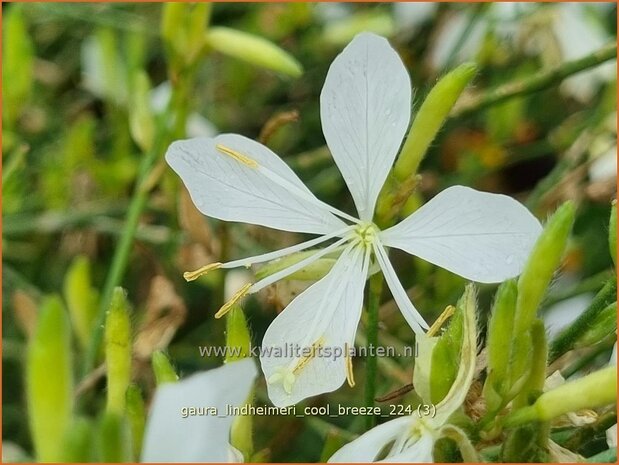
499, 344
163, 369
545, 258
141, 119
594, 390
117, 351
114, 439
17, 65
136, 417
241, 432
253, 49
446, 356
431, 116
49, 381
78, 444
237, 335
82, 299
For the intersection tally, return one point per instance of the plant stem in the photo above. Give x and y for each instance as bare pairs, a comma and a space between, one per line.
373, 304
565, 340
537, 82
176, 109
121, 255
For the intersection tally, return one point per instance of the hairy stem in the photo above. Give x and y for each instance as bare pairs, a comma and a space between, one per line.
373, 304
537, 82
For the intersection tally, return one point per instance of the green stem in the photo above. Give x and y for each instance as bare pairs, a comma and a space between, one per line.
373, 304
176, 108
537, 82
566, 339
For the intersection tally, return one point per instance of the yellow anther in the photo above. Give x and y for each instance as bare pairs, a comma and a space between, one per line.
308, 358
440, 321
237, 156
235, 298
192, 275
350, 377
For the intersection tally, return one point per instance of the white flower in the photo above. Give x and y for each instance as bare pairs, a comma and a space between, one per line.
411, 438
172, 436
365, 110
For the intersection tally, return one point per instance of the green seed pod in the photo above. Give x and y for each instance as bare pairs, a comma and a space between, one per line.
612, 232
238, 339
499, 344
252, 49
312, 272
163, 369
117, 351
78, 444
49, 380
114, 439
81, 298
136, 417
541, 265
431, 116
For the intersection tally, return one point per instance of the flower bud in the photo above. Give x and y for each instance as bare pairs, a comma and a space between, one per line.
431, 116
164, 372
81, 298
252, 49
117, 351
49, 381
238, 339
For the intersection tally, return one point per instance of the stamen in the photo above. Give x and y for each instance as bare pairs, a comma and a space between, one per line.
235, 298
193, 275
440, 321
237, 156
308, 358
350, 377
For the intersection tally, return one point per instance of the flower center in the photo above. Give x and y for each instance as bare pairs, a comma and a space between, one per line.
366, 234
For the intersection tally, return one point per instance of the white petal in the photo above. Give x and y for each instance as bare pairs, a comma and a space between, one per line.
480, 236
366, 447
171, 438
365, 108
419, 452
410, 313
266, 192
325, 315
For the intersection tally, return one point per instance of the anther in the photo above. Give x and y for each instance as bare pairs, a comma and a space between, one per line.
440, 321
235, 298
237, 156
350, 377
193, 275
